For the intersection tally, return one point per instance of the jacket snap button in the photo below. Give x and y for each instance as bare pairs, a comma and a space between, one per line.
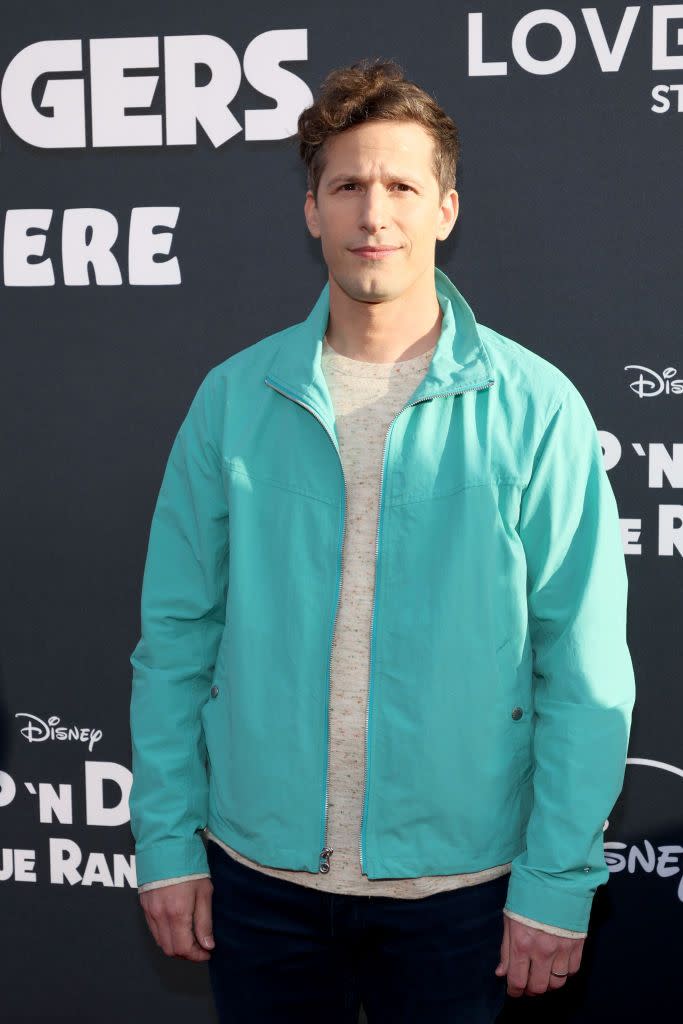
214, 691
517, 713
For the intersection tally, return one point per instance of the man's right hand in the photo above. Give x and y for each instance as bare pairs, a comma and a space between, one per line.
179, 918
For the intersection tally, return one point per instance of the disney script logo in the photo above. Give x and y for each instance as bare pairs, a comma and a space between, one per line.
644, 856
37, 731
655, 384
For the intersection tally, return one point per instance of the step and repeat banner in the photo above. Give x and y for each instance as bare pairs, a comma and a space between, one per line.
151, 184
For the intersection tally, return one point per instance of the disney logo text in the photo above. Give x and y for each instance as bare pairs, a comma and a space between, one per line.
36, 730
654, 384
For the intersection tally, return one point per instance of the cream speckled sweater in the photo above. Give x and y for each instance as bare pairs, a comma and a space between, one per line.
366, 397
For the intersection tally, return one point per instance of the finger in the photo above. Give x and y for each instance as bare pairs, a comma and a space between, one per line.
561, 965
203, 929
518, 972
538, 981
165, 936
185, 945
504, 948
152, 925
575, 955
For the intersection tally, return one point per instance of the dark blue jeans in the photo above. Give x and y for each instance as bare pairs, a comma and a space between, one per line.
287, 953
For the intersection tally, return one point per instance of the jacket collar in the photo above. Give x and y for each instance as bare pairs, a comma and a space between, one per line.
460, 360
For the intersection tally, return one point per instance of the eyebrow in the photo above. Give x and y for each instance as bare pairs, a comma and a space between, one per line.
357, 177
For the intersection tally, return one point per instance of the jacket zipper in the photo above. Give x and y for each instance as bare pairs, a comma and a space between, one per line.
443, 394
326, 852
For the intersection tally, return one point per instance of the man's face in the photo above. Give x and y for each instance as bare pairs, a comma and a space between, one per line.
378, 188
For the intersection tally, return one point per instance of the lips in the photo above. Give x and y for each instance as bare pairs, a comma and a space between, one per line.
375, 254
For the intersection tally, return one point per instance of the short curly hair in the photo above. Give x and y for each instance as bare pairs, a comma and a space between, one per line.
374, 89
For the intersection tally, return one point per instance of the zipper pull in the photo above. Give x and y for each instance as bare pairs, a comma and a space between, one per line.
325, 860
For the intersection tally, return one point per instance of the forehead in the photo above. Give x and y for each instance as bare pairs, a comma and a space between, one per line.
379, 146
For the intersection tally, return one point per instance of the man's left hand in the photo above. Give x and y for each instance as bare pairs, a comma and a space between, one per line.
528, 955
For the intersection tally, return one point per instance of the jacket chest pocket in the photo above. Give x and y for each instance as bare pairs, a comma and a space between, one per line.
249, 477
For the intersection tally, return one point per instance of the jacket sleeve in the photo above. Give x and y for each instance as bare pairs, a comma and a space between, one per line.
184, 591
584, 686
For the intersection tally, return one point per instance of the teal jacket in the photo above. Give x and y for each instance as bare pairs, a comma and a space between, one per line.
501, 685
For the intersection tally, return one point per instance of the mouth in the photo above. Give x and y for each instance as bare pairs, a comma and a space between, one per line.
369, 252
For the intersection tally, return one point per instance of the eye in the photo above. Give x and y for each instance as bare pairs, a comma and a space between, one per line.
352, 184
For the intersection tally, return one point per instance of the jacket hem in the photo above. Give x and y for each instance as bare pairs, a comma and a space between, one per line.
283, 857
290, 860
392, 867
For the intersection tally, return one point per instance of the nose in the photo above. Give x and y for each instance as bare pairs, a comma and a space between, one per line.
373, 211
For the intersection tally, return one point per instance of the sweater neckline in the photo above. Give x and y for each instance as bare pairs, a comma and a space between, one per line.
362, 368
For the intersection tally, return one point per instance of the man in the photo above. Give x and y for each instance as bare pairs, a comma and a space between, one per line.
382, 696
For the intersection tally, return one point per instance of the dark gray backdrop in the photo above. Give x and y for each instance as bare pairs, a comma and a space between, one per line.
568, 240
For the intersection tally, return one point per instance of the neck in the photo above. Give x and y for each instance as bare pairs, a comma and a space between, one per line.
390, 330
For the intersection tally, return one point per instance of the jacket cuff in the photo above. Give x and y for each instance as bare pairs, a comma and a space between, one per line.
163, 882
550, 928
531, 897
170, 858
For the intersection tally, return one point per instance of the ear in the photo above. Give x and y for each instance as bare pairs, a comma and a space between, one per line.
311, 215
448, 214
